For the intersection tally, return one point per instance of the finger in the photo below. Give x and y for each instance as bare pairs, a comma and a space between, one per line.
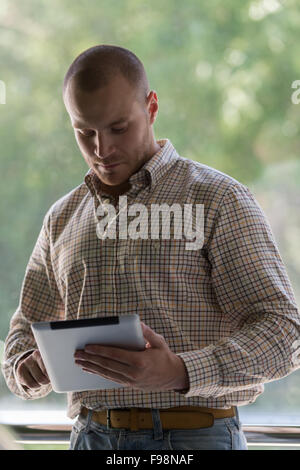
88, 371
123, 356
153, 338
38, 376
144, 326
95, 369
42, 366
105, 363
25, 378
36, 371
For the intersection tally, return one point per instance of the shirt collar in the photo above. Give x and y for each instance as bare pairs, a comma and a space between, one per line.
147, 176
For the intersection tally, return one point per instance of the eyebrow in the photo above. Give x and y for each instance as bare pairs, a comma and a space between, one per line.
77, 125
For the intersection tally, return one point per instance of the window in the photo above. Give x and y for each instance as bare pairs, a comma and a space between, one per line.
223, 76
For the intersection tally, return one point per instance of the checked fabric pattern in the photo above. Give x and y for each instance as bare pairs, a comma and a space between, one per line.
227, 309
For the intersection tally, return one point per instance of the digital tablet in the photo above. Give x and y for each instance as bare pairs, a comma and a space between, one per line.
58, 340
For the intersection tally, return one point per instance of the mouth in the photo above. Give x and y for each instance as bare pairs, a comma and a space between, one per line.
101, 165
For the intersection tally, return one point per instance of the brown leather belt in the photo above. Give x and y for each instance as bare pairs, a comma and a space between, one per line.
182, 417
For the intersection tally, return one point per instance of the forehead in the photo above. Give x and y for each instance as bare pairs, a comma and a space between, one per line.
108, 104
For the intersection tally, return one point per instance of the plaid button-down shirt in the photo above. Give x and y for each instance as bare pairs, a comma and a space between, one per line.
227, 309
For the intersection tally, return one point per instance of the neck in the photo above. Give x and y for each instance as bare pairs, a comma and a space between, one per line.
116, 190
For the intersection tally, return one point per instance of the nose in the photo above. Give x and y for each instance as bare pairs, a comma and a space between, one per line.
103, 146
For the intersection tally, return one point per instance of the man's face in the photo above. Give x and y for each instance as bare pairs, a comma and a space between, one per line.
112, 127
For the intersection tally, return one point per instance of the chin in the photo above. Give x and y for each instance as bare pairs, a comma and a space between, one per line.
112, 181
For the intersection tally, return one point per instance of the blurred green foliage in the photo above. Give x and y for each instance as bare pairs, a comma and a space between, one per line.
223, 74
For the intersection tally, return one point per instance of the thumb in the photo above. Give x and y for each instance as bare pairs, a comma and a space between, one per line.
153, 338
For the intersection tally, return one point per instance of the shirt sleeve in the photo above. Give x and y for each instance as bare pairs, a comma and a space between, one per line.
255, 297
39, 301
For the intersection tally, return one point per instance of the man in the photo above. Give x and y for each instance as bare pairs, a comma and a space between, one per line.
219, 321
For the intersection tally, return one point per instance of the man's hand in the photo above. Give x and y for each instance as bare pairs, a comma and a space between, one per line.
156, 368
31, 371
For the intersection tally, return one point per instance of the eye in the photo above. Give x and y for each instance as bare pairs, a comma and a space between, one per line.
87, 134
119, 131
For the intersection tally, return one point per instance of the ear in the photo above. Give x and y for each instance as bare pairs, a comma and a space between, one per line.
152, 105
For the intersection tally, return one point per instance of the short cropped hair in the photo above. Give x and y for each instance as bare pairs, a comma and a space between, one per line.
97, 66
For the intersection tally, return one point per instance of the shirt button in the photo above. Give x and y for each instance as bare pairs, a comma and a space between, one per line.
105, 202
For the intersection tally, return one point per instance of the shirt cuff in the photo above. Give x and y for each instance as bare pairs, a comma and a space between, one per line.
203, 373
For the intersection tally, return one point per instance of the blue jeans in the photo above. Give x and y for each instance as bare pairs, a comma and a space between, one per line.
225, 434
